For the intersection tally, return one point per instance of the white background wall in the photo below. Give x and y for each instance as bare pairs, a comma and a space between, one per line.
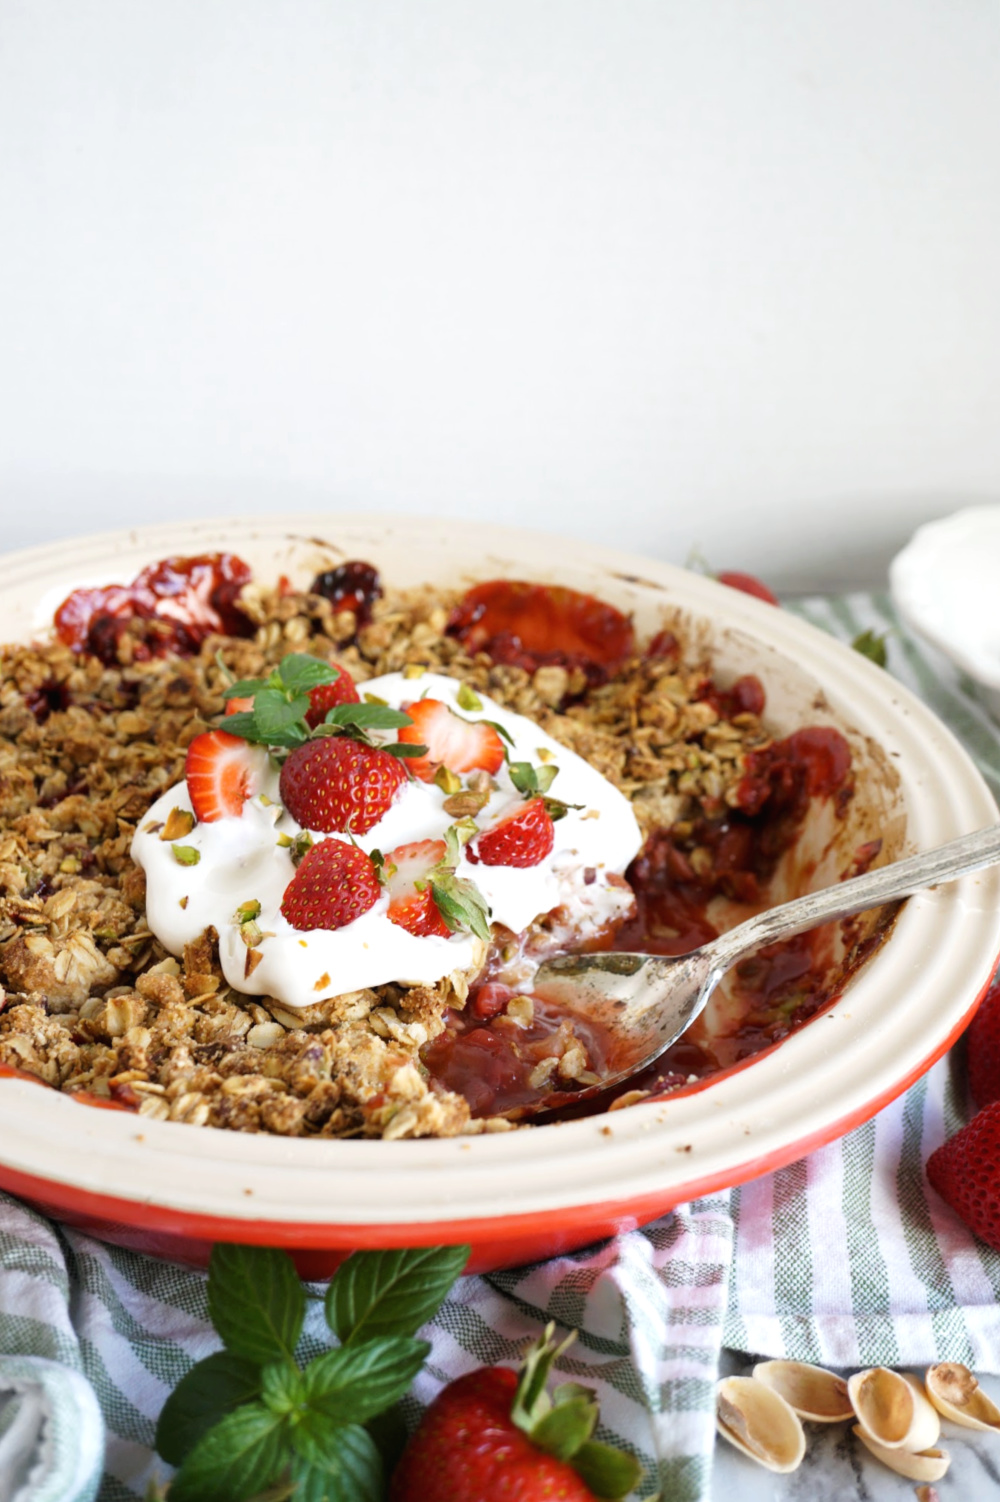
660, 272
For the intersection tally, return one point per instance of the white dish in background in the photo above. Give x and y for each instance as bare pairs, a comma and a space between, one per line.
946, 586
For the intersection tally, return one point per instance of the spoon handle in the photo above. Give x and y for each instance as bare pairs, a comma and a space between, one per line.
899, 879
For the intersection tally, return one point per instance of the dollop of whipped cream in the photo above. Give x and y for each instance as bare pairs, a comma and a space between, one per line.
240, 860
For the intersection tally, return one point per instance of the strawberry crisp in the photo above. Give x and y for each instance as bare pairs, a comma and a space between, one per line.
285, 860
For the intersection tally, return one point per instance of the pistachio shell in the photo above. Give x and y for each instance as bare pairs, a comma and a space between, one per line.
813, 1392
925, 1465
758, 1421
925, 1431
884, 1404
957, 1395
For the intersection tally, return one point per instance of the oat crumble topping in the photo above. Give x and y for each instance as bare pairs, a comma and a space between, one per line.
93, 1003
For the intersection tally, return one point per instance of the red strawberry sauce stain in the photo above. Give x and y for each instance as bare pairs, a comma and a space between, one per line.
170, 607
541, 625
488, 1058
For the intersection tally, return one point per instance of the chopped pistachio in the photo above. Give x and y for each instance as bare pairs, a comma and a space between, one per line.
183, 901
180, 821
414, 670
251, 962
447, 780
544, 754
465, 804
70, 865
467, 698
186, 855
374, 699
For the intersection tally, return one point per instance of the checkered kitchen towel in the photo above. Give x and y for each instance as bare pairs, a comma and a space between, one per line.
844, 1258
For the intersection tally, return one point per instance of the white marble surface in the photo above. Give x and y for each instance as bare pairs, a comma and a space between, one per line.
837, 1467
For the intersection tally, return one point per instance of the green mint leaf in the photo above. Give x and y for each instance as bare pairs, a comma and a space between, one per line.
186, 855
404, 749
274, 713
355, 1382
524, 777
872, 645
243, 724
282, 1387
245, 688
256, 1301
392, 1292
610, 1473
203, 1396
367, 717
295, 735
342, 1466
462, 906
299, 672
467, 698
565, 1427
239, 1456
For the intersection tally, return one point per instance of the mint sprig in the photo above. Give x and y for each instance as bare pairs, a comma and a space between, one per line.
251, 1418
281, 703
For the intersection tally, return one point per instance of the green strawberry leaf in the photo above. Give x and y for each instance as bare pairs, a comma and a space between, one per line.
239, 1456
354, 1383
462, 906
299, 672
872, 645
609, 1473
204, 1395
501, 732
341, 1466
524, 777
545, 776
566, 1427
391, 1292
367, 717
256, 1301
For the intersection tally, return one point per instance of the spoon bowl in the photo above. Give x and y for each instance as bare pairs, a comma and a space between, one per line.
644, 1002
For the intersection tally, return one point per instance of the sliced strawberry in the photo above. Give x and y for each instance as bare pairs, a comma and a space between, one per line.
239, 706
222, 772
460, 745
335, 784
335, 884
522, 837
327, 696
414, 910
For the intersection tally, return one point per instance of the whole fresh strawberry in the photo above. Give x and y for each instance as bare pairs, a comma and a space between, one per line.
334, 884
983, 1049
336, 784
450, 741
497, 1436
326, 696
965, 1171
522, 837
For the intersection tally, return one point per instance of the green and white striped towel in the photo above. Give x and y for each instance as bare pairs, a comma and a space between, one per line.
844, 1258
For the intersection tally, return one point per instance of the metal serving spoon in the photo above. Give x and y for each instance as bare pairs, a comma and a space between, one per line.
646, 1001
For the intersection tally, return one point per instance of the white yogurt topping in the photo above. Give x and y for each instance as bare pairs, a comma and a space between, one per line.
240, 860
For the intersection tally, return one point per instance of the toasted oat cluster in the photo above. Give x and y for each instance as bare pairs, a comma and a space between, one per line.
92, 1003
